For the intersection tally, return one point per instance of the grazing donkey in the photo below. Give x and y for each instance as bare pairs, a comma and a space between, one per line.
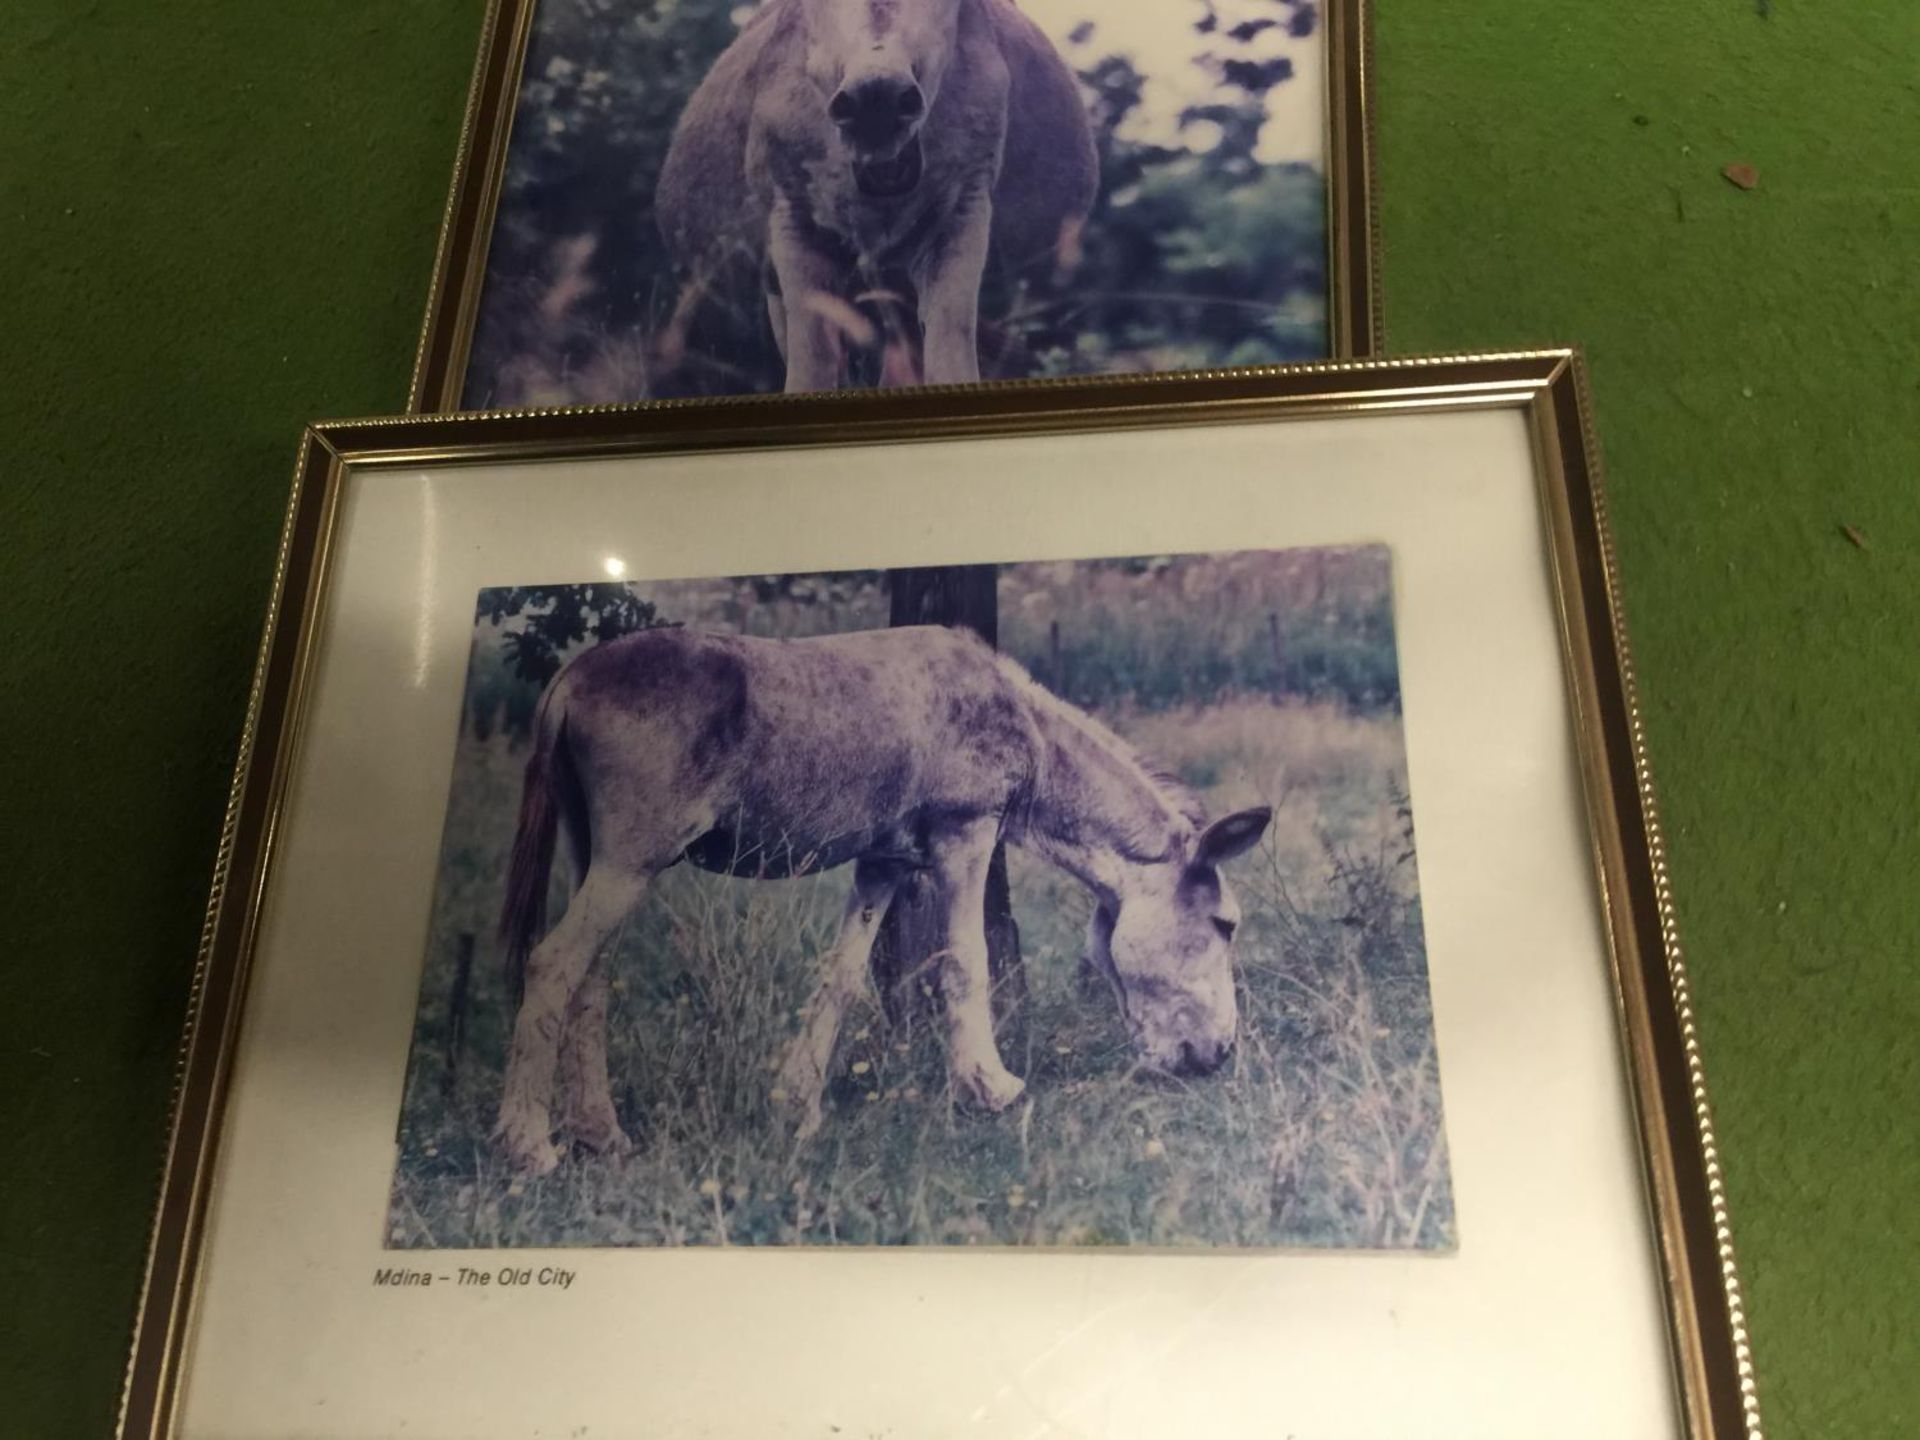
896, 750
843, 145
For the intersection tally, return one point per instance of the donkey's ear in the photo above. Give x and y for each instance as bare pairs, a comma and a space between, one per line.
1231, 836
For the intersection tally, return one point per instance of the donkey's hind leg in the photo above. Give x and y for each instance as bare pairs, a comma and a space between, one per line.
586, 1108
803, 1074
556, 970
587, 1116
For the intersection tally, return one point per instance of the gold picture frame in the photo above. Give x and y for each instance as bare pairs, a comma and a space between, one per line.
1704, 1327
1354, 316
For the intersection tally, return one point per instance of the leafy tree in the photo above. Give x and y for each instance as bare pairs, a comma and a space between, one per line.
554, 618
579, 281
1198, 254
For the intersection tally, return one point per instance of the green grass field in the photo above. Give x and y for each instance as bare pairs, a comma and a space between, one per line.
1324, 1131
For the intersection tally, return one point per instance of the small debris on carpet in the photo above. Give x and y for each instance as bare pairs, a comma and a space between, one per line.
1742, 174
1858, 541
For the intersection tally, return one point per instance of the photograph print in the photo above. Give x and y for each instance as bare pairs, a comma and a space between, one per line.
716, 197
1049, 904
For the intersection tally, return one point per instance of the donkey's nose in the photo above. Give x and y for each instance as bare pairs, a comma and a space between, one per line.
876, 110
1204, 1058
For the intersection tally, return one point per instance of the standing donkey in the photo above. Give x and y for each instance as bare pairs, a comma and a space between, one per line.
841, 143
897, 750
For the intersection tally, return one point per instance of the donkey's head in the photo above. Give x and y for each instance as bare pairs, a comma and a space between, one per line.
878, 65
1167, 946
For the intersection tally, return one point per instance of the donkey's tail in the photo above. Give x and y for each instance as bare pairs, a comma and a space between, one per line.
550, 795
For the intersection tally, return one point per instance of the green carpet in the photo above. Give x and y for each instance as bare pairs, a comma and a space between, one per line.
217, 222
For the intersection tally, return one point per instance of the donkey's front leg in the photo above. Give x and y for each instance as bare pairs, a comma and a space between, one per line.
555, 971
803, 1074
813, 345
948, 281
961, 861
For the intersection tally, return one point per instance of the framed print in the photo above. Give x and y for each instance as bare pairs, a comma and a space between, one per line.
1122, 906
703, 197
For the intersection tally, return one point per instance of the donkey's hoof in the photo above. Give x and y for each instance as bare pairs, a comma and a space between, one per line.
799, 1083
606, 1140
533, 1161
989, 1090
799, 1110
528, 1154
